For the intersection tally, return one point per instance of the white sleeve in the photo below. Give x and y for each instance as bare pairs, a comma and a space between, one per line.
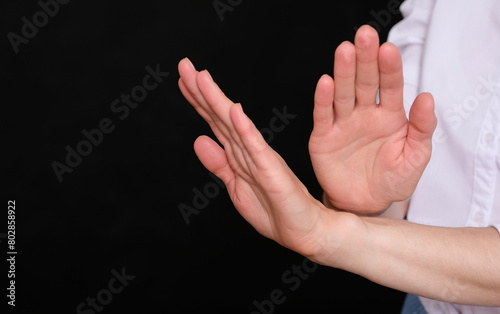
409, 35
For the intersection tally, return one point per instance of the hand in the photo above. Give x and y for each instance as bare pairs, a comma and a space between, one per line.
368, 155
261, 185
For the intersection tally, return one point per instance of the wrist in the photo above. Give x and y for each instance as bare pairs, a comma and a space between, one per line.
340, 240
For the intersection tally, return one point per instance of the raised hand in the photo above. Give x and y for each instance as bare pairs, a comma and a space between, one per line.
262, 187
365, 154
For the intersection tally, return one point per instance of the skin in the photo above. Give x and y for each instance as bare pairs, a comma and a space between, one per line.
374, 146
458, 265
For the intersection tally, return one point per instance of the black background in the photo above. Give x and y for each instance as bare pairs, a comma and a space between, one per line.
119, 207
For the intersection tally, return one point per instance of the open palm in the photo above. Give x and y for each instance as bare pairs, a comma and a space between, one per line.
365, 154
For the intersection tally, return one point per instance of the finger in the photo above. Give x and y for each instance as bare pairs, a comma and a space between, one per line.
189, 88
367, 75
189, 76
185, 92
202, 112
265, 166
422, 120
255, 145
344, 73
213, 157
189, 79
323, 104
219, 105
214, 97
391, 77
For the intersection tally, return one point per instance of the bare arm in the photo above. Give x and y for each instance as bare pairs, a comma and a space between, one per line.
457, 265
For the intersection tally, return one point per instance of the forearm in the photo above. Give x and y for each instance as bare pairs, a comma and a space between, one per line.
457, 265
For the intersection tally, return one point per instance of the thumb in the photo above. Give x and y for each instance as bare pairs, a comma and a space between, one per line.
214, 158
422, 120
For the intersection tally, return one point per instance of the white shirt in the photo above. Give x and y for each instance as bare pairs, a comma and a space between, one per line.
451, 48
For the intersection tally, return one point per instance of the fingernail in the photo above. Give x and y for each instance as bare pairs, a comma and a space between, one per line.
190, 63
209, 75
238, 105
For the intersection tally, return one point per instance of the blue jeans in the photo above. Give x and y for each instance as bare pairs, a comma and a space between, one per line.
413, 305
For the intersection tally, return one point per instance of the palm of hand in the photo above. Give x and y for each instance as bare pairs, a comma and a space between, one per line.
367, 155
360, 162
